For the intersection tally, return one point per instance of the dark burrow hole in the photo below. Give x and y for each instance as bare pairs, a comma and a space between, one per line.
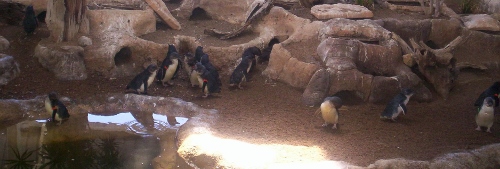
124, 56
350, 97
41, 16
404, 3
431, 44
199, 14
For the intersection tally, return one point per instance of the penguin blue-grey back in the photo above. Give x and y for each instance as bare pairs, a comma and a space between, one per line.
397, 105
141, 82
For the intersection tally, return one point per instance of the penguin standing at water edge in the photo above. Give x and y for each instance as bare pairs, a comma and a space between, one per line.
56, 109
30, 22
397, 105
169, 67
485, 117
330, 111
209, 82
493, 91
141, 82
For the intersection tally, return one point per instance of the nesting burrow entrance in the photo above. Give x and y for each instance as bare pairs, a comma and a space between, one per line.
123, 57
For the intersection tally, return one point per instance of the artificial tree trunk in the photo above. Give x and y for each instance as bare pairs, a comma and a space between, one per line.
64, 18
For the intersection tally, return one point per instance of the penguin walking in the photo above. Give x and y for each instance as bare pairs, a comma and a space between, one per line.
56, 109
211, 68
251, 52
30, 22
169, 67
493, 91
209, 82
189, 65
240, 73
330, 111
141, 82
397, 105
485, 117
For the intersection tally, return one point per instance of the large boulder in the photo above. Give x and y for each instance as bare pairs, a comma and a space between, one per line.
481, 22
317, 89
66, 62
349, 11
9, 69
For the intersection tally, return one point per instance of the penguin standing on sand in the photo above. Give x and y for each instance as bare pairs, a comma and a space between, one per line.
493, 91
30, 22
209, 82
169, 67
251, 52
213, 71
240, 73
141, 82
486, 117
330, 111
189, 65
56, 109
397, 105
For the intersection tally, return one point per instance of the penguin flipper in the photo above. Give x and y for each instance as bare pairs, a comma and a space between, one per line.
403, 107
54, 111
204, 85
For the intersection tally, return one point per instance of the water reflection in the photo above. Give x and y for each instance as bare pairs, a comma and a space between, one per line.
125, 140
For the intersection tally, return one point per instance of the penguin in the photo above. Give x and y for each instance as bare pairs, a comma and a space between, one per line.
266, 52
141, 82
330, 111
252, 52
30, 21
198, 53
240, 73
56, 109
485, 116
189, 65
213, 71
397, 105
169, 67
209, 82
493, 91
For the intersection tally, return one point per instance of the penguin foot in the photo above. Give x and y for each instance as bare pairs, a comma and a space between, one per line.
489, 130
478, 128
324, 125
334, 126
205, 96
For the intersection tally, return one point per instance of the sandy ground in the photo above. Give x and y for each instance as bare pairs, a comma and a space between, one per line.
266, 113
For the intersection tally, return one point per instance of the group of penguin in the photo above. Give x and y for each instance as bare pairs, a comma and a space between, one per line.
485, 104
200, 70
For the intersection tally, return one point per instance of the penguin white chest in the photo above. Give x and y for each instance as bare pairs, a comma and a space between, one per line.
396, 114
48, 106
329, 113
169, 73
485, 117
151, 78
249, 67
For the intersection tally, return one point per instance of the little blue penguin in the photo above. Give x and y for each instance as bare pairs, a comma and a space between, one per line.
493, 91
240, 73
169, 67
56, 109
485, 117
30, 21
330, 110
141, 82
397, 105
